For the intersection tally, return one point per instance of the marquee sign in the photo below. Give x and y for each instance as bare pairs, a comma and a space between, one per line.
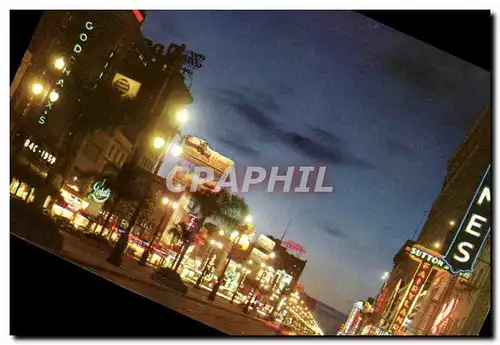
471, 235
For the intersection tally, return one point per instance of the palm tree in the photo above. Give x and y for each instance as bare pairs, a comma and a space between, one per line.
223, 206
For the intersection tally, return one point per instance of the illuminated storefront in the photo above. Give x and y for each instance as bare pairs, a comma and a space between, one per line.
68, 206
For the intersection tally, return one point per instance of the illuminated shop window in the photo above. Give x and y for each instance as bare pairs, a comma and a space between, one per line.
60, 211
47, 202
81, 221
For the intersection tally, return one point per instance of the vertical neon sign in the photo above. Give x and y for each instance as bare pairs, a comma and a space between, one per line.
77, 49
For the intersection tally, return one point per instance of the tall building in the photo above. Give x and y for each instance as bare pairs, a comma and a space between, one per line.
70, 59
425, 294
290, 263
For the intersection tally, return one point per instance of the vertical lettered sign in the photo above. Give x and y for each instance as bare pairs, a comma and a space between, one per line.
471, 235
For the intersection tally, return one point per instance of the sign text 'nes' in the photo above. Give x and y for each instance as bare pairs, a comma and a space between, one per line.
473, 231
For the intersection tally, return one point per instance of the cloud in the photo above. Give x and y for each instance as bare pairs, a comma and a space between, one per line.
335, 232
329, 148
397, 147
238, 146
253, 111
326, 153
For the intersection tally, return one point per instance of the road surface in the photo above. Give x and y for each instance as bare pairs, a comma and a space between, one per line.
222, 315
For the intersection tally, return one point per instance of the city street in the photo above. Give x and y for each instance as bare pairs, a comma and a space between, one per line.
220, 314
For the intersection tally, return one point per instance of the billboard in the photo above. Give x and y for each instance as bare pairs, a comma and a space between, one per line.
127, 87
265, 243
475, 227
258, 255
198, 152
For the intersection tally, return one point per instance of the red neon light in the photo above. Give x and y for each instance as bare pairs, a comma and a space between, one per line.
294, 247
138, 15
443, 316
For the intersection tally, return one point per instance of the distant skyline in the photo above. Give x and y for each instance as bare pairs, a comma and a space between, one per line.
383, 111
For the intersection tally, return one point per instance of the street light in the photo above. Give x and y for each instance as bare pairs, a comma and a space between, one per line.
182, 116
214, 244
37, 88
59, 63
53, 96
236, 239
158, 142
437, 245
221, 232
177, 151
452, 223
145, 255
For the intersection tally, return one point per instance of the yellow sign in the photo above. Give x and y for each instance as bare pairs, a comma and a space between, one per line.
127, 87
198, 152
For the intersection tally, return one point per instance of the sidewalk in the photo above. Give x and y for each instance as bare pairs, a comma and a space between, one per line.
95, 259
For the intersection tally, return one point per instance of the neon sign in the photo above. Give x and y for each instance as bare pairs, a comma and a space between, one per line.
419, 279
471, 235
294, 247
420, 252
443, 316
99, 192
77, 49
44, 154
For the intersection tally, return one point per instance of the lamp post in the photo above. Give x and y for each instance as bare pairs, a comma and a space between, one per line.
145, 255
245, 228
213, 245
245, 272
213, 293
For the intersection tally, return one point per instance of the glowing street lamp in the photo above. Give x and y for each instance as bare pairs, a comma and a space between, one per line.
145, 255
437, 245
248, 219
182, 116
37, 88
177, 151
59, 63
53, 96
158, 142
452, 223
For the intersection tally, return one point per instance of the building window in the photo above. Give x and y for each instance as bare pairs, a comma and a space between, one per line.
111, 151
117, 157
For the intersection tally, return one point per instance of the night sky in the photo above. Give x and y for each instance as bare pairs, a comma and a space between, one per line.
381, 110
